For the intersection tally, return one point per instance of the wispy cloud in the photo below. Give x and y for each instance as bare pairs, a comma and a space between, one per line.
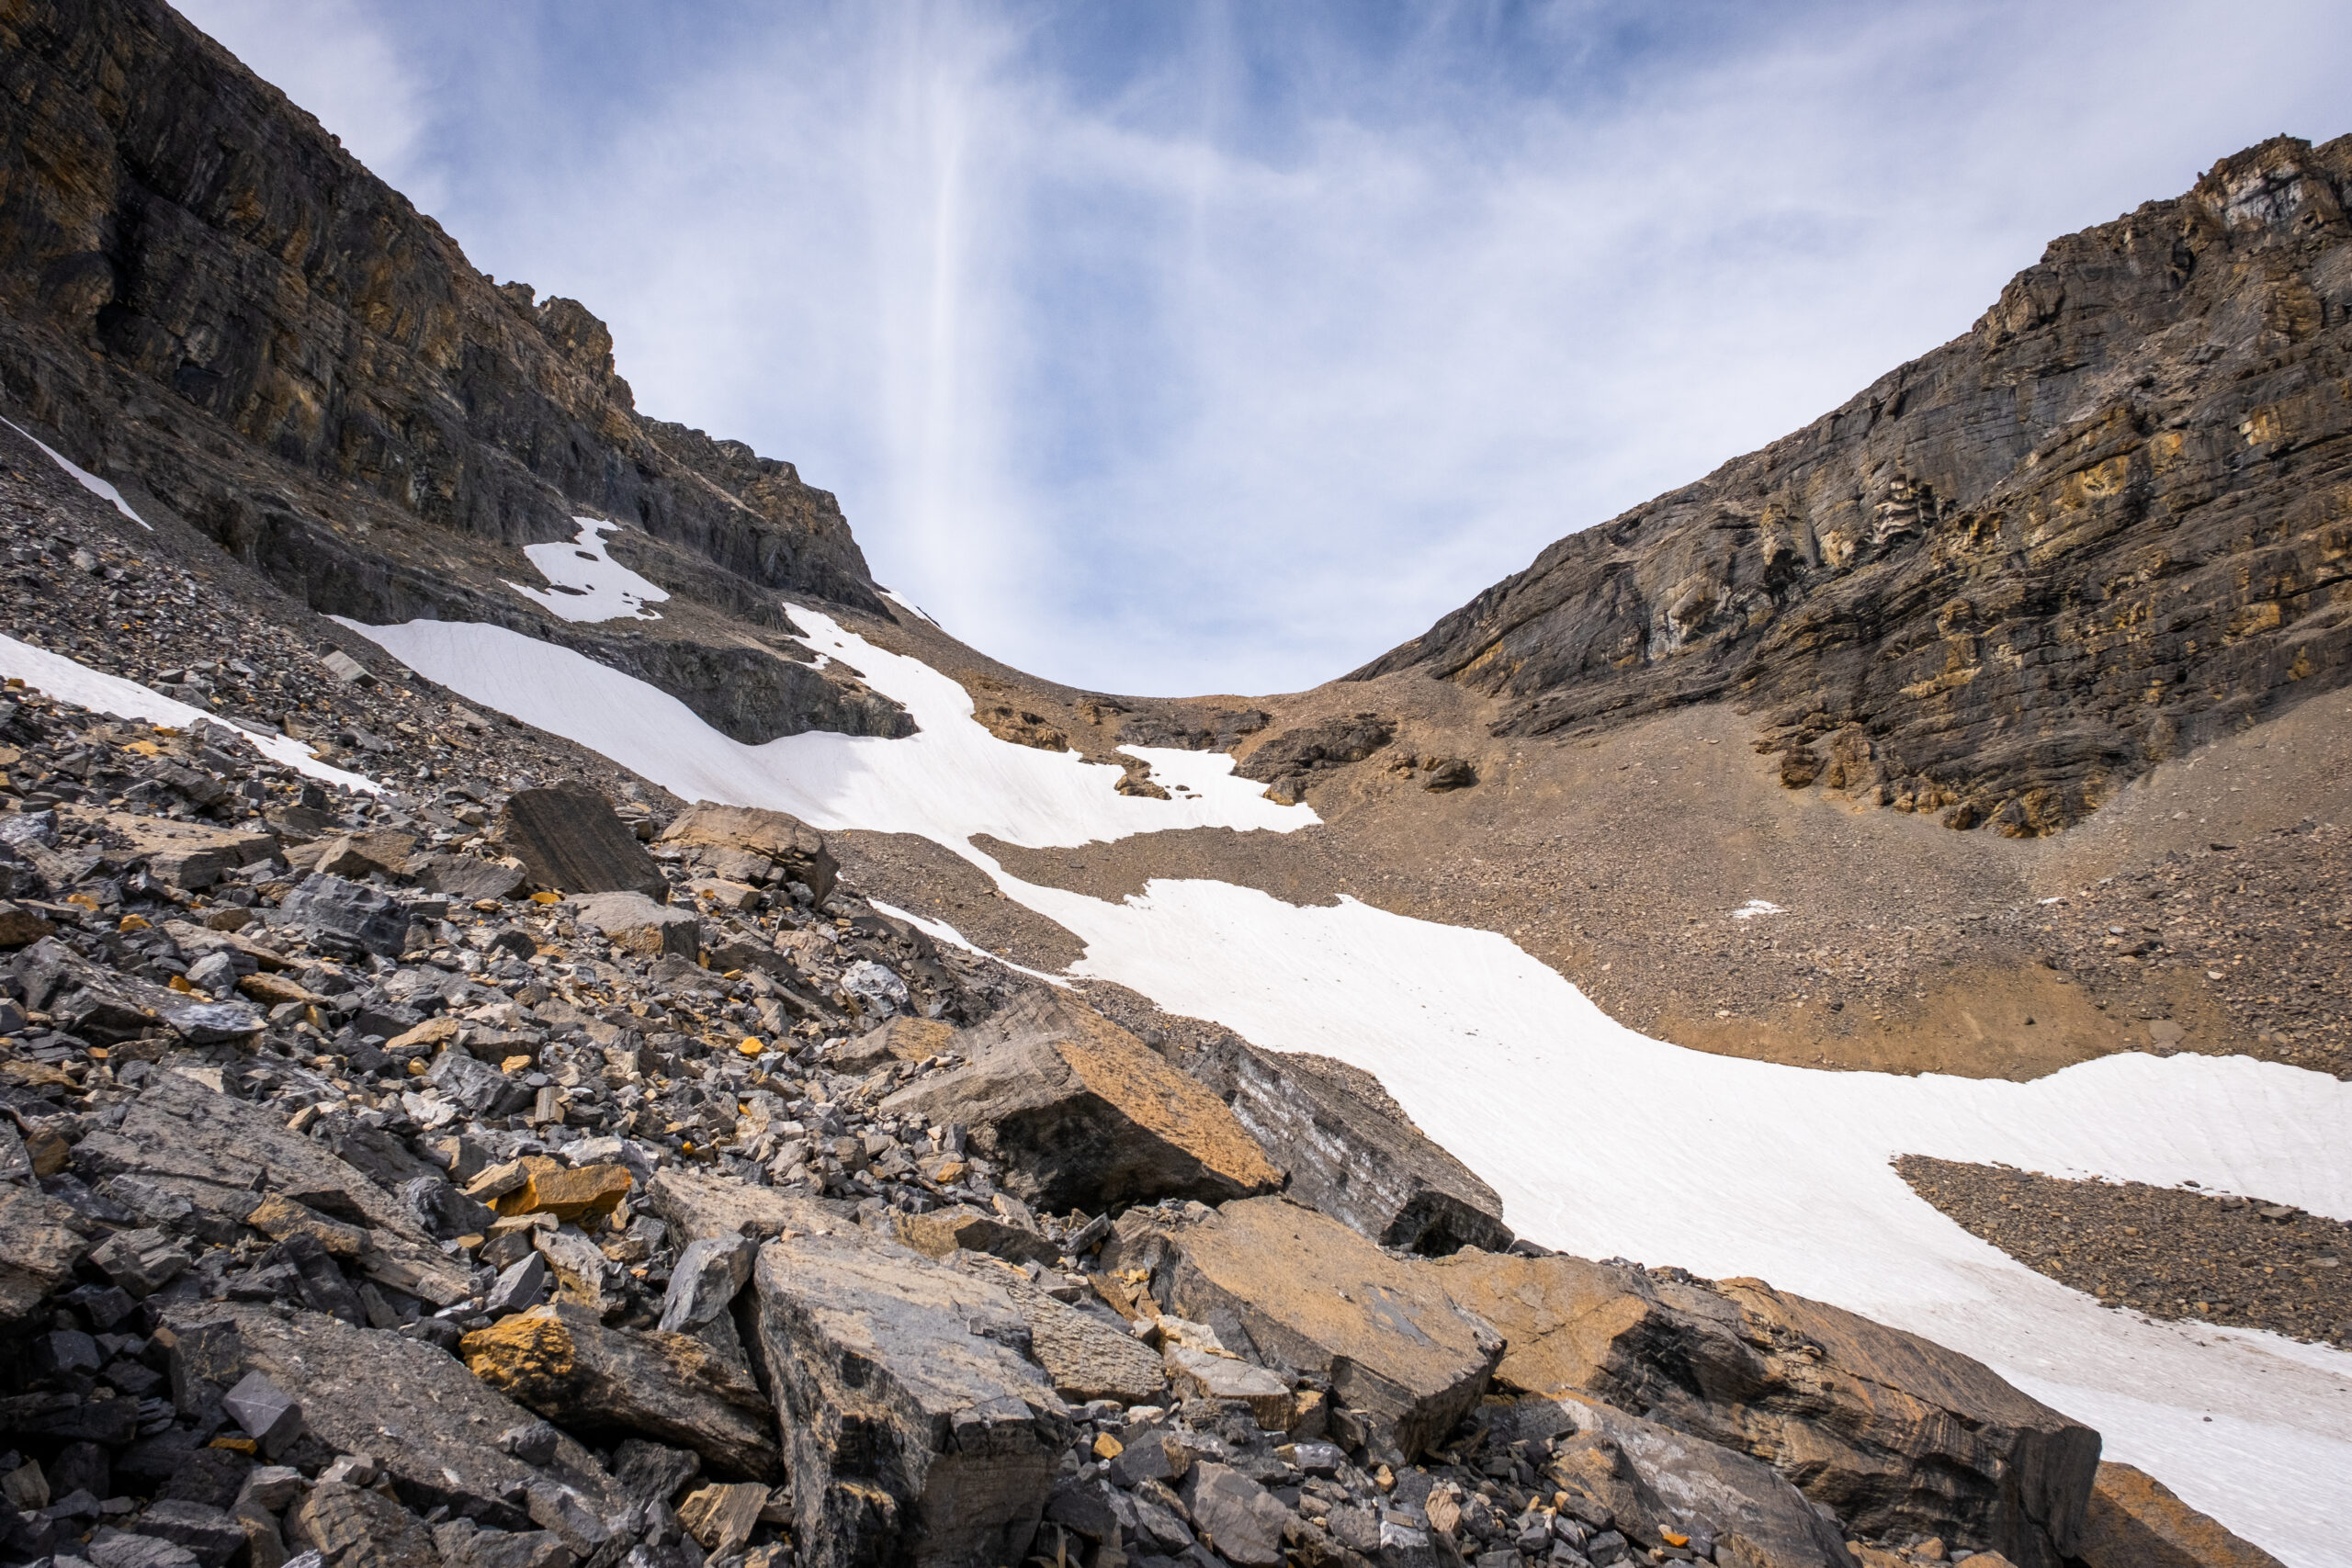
1219, 347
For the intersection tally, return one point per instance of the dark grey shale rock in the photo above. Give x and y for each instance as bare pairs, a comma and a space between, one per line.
918, 1429
571, 840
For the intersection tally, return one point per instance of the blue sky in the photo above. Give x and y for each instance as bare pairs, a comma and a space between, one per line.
1171, 348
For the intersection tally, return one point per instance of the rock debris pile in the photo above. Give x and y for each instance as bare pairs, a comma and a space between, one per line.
494, 1177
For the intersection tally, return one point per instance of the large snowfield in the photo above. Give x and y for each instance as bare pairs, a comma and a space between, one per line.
1602, 1142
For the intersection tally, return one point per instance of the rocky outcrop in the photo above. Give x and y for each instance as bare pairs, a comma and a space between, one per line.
1287, 763
202, 292
2007, 577
1887, 1430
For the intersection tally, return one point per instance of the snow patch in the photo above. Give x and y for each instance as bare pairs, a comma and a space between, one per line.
87, 480
1756, 907
70, 681
587, 583
949, 781
903, 602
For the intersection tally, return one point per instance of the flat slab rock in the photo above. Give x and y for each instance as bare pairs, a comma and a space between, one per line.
561, 1362
1085, 1115
432, 1425
698, 1207
1650, 1479
569, 839
225, 1156
1087, 1354
39, 1244
1855, 1410
918, 1429
1301, 1289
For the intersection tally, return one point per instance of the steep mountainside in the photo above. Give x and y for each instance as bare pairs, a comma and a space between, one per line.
2109, 523
202, 291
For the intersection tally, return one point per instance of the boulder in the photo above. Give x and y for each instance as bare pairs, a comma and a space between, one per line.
571, 840
561, 1362
1086, 1350
794, 849
1853, 1412
1236, 1518
1285, 1285
943, 1230
359, 855
190, 856
918, 1429
635, 923
2134, 1521
409, 1407
1082, 1114
695, 1206
1646, 1481
351, 1526
469, 877
1353, 1152
40, 1243
365, 917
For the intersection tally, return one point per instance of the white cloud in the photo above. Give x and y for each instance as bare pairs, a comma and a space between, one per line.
1231, 361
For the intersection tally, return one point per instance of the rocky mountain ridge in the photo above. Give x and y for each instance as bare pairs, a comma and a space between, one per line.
2108, 523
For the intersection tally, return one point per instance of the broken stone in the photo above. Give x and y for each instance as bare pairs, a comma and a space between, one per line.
571, 840
1404, 1359
1236, 1518
363, 916
267, 1413
1201, 1374
705, 1280
795, 849
1778, 1376
636, 924
1082, 1114
39, 1246
721, 1518
469, 877
568, 1193
210, 1535
141, 1261
561, 1362
918, 1430
942, 1231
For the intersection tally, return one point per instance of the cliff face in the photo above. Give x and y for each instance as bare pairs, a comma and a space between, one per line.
2113, 520
201, 291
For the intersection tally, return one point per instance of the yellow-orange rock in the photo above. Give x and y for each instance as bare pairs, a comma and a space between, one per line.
2136, 1522
1085, 1115
568, 1194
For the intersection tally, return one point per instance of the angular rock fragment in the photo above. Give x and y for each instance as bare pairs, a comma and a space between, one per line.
1083, 1114
635, 923
697, 1206
469, 877
918, 1430
365, 917
39, 1244
351, 1526
571, 840
210, 1535
795, 852
1353, 1153
721, 1518
561, 1362
568, 1193
2135, 1521
1236, 1518
703, 1282
1300, 1288
412, 1409
1852, 1409
1647, 1480
267, 1413
942, 1231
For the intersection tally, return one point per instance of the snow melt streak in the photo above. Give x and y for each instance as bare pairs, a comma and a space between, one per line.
1600, 1140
